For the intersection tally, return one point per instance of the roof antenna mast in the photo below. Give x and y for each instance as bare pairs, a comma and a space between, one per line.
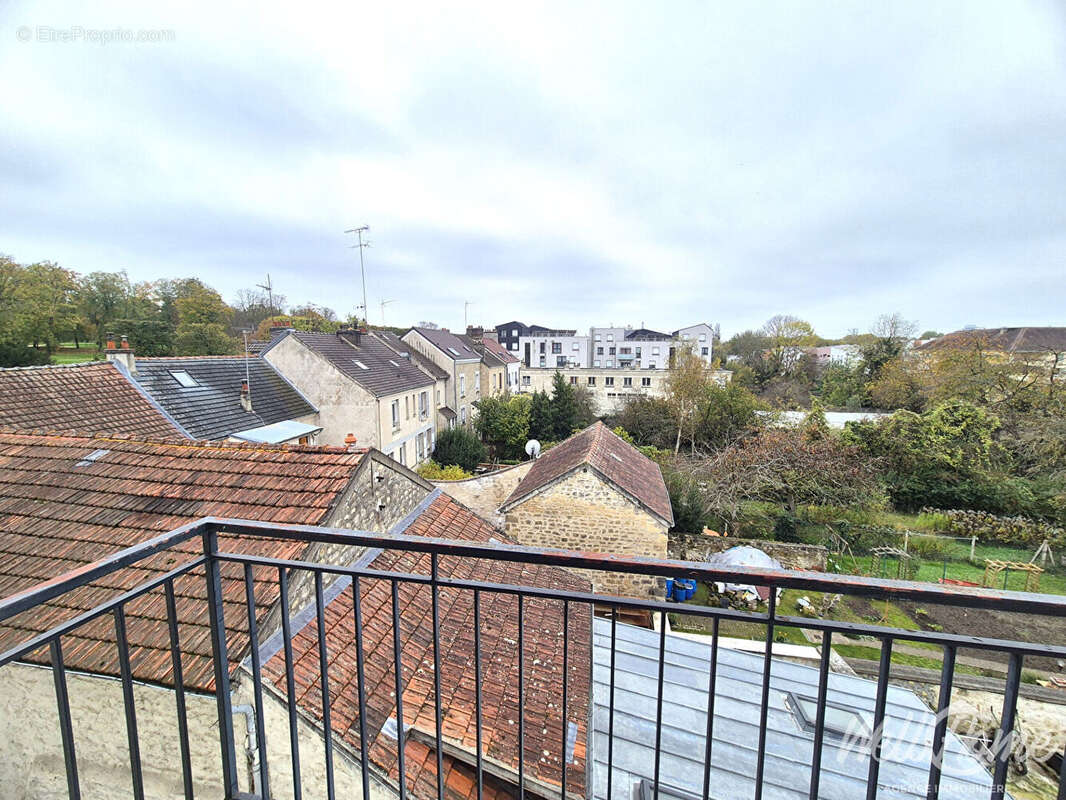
362, 269
269, 288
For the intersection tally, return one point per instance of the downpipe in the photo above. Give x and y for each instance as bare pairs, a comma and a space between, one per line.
251, 745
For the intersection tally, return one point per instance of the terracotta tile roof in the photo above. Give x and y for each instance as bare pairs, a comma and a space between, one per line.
499, 351
614, 459
58, 513
543, 620
1008, 340
82, 398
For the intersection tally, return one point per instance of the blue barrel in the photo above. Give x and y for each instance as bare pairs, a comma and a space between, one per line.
669, 588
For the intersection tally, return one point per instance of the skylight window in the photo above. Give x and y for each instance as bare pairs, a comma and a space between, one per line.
186, 380
92, 458
453, 351
839, 721
359, 364
394, 363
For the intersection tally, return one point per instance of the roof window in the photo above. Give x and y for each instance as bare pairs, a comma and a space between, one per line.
840, 721
359, 364
184, 379
453, 351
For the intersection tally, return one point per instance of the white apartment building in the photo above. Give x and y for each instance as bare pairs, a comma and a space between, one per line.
554, 349
700, 337
629, 348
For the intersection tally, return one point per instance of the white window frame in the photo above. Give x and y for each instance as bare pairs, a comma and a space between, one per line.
395, 415
462, 385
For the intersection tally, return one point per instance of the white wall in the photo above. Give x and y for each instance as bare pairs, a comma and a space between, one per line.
575, 349
31, 751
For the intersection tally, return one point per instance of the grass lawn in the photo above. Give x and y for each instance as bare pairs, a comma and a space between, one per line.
932, 571
72, 356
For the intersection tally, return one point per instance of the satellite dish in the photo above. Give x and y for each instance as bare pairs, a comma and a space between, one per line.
532, 448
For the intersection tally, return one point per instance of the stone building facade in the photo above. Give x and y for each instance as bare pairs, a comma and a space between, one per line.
594, 492
584, 512
485, 493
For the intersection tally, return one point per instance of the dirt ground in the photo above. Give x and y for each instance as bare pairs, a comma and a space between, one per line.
998, 625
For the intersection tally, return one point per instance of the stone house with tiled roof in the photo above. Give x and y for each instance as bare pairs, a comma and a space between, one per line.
459, 359
67, 501
85, 398
594, 492
512, 364
361, 386
445, 416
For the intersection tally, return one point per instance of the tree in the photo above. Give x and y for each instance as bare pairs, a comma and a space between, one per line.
503, 423
815, 425
203, 321
586, 407
843, 386
891, 334
541, 426
727, 413
16, 318
50, 294
786, 336
946, 457
686, 386
458, 446
102, 297
897, 386
784, 466
564, 408
148, 337
648, 420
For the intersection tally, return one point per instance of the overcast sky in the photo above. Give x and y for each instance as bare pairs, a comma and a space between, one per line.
628, 162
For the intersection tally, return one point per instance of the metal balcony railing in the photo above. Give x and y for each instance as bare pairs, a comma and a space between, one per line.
201, 546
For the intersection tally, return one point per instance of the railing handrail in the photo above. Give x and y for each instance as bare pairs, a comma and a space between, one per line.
832, 583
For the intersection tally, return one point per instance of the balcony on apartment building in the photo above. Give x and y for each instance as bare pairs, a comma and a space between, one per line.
469, 670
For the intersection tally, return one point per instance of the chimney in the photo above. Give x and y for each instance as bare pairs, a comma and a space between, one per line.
121, 355
349, 442
246, 397
476, 333
352, 335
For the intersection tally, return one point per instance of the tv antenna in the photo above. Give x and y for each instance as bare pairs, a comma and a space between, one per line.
268, 287
466, 305
362, 269
383, 304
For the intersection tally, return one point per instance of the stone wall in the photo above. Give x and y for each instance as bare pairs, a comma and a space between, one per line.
582, 512
485, 493
696, 547
31, 751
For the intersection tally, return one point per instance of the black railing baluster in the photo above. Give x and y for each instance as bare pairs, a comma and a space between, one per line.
290, 682
257, 680
659, 700
220, 656
129, 703
477, 694
521, 701
819, 723
179, 689
1062, 777
610, 706
711, 682
877, 735
323, 668
1006, 726
439, 711
947, 675
760, 762
397, 655
66, 729
361, 678
566, 676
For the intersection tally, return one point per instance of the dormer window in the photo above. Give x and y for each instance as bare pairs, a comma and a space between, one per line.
184, 379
